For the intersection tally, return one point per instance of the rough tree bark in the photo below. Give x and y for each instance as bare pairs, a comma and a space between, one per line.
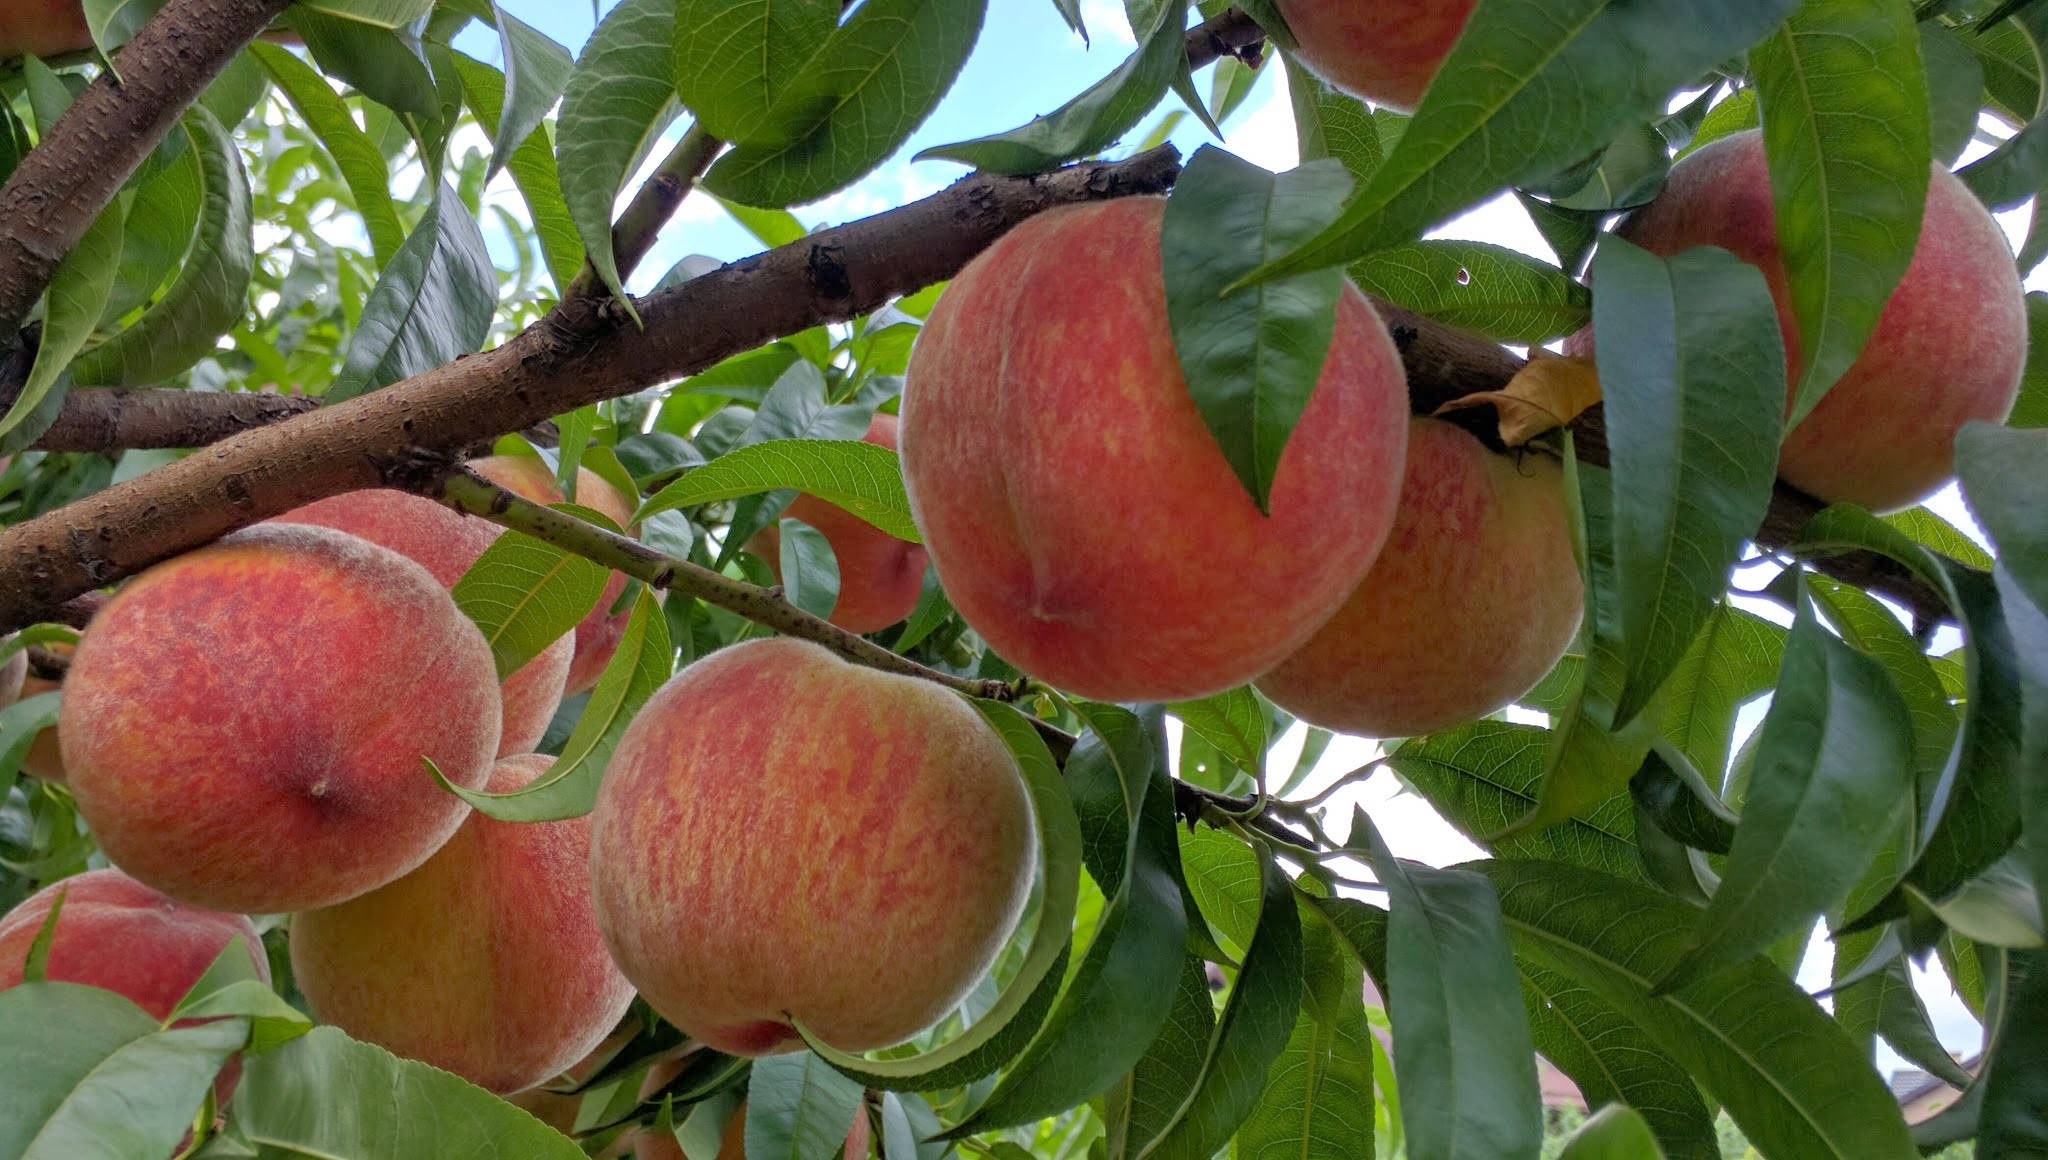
61, 186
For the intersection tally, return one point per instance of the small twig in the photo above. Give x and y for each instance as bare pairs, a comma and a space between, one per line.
658, 197
1230, 33
46, 663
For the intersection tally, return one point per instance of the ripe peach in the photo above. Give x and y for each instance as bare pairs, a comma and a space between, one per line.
1473, 599
244, 724
1386, 51
880, 576
1083, 519
447, 542
485, 961
43, 759
1948, 348
597, 638
116, 933
42, 28
853, 857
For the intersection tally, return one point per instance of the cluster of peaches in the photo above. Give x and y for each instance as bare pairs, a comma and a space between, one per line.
782, 838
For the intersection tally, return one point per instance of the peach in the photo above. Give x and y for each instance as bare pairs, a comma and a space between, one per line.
116, 933
244, 725
1386, 51
880, 576
43, 760
781, 834
597, 637
1083, 519
42, 28
1948, 348
446, 543
485, 961
1473, 599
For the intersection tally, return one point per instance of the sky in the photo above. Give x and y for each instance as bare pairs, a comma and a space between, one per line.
1027, 63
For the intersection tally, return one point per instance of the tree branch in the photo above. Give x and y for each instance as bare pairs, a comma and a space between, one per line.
652, 206
122, 419
64, 182
1228, 34
413, 430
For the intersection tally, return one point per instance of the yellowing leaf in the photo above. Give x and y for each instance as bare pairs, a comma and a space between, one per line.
1548, 392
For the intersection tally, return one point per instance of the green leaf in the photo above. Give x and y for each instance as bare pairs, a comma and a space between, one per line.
536, 71
1611, 1060
1844, 101
798, 1108
1865, 622
1627, 173
2013, 1121
212, 285
614, 106
1113, 1006
2031, 408
1233, 722
864, 479
1736, 114
20, 723
873, 83
809, 569
643, 663
88, 1073
741, 55
1733, 657
327, 1095
1689, 358
525, 594
1501, 293
1613, 1133
1832, 772
1484, 776
1318, 1099
1570, 233
2003, 472
1328, 123
1758, 1044
1461, 1039
78, 293
379, 13
1955, 91
1141, 1105
1251, 356
357, 157
432, 305
1930, 531
382, 60
2012, 172
1004, 1029
1970, 815
1531, 87
1087, 124
532, 166
1249, 1035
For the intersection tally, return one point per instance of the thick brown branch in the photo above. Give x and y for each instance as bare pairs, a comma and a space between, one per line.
1229, 34
116, 419
413, 430
64, 183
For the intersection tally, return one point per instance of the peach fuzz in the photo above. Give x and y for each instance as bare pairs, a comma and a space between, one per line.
874, 847
116, 933
244, 725
1083, 519
1473, 599
880, 576
1949, 346
597, 637
42, 28
485, 961
1386, 51
446, 543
